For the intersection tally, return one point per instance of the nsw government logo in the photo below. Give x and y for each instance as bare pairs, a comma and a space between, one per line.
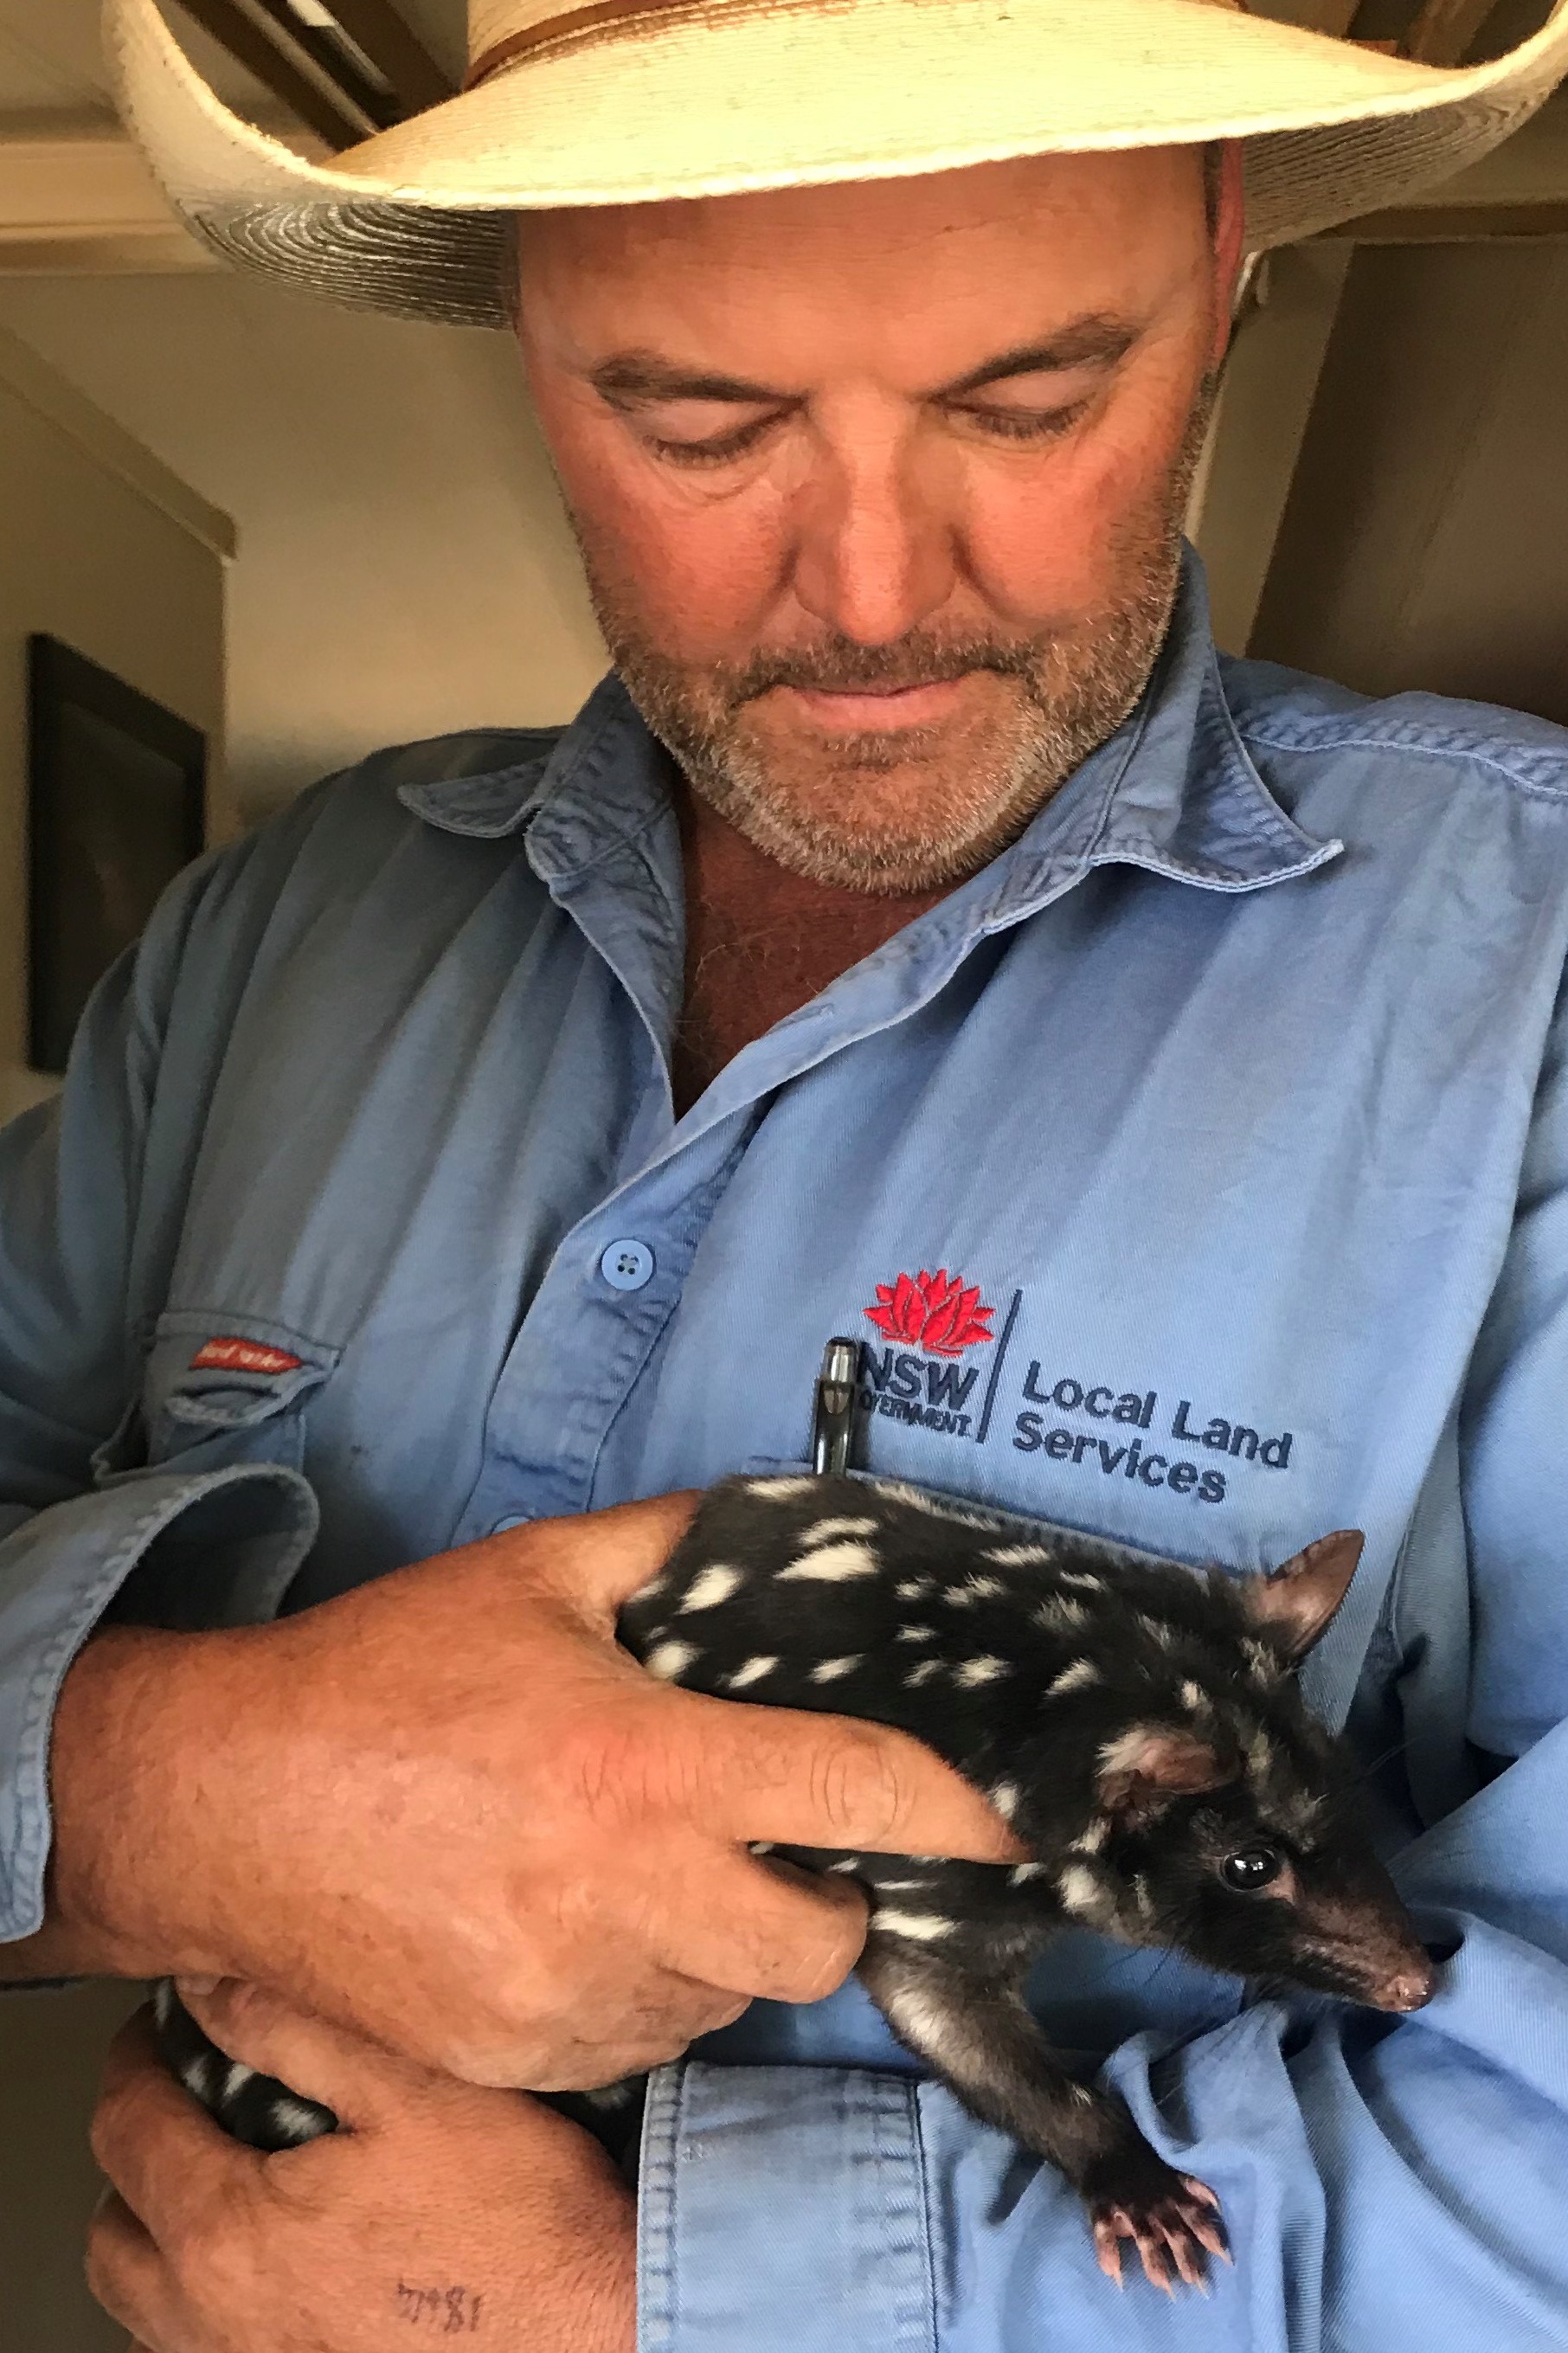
938, 1318
1081, 1418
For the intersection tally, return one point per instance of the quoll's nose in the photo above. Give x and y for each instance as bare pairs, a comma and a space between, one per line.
1411, 1987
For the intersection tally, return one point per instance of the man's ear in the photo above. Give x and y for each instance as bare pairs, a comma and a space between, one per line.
1148, 1764
1294, 1608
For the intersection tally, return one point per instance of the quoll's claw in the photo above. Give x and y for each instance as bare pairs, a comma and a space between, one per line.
1174, 2229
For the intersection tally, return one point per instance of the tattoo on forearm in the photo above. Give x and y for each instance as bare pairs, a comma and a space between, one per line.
455, 2311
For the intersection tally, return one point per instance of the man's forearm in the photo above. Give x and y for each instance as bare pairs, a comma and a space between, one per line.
122, 1779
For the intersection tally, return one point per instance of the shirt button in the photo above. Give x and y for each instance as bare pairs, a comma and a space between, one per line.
626, 1266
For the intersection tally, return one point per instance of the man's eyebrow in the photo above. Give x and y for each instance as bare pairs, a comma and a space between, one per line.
1098, 340
634, 377
638, 379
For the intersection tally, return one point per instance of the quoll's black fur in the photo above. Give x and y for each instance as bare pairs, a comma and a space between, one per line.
1137, 1723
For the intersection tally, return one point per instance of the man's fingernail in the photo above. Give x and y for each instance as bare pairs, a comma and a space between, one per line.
197, 1986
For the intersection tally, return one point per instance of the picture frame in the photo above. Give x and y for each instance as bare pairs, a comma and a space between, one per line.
117, 806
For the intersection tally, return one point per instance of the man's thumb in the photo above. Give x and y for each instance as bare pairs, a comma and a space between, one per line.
802, 1780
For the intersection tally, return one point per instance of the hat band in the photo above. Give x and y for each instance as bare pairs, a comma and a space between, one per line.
555, 26
560, 24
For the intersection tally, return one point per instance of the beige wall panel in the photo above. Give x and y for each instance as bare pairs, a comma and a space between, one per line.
1426, 541
87, 557
406, 565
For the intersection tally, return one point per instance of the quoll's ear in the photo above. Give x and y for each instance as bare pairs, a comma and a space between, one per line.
1295, 1606
1146, 1766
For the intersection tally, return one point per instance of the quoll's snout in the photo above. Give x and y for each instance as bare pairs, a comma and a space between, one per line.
1411, 1987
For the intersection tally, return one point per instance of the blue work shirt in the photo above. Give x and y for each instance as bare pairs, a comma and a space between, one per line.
1196, 1174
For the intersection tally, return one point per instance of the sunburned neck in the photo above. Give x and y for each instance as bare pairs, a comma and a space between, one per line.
761, 941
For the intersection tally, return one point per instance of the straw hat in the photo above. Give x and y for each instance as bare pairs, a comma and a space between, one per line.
617, 101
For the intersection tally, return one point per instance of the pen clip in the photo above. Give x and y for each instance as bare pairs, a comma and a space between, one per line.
833, 1420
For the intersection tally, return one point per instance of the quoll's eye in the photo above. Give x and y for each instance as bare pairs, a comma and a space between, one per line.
1251, 1867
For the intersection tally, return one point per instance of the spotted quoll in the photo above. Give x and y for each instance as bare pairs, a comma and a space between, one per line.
1138, 1724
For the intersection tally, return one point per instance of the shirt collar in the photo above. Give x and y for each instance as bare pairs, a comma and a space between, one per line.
1173, 791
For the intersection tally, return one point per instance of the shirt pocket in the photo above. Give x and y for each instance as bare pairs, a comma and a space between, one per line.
759, 1466
216, 1389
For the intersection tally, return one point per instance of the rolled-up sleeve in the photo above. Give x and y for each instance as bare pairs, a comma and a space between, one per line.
86, 1225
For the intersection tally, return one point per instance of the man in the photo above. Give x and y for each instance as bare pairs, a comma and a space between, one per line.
499, 1137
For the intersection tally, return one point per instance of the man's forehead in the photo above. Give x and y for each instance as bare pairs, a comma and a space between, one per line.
1001, 255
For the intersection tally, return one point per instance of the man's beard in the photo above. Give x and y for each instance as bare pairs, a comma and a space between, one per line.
811, 803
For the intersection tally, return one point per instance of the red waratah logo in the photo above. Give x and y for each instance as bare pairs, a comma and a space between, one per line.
942, 1314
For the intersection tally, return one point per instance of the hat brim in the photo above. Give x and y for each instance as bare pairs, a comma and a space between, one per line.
716, 99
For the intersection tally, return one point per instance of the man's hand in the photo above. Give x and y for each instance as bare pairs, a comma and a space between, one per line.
446, 1811
439, 2213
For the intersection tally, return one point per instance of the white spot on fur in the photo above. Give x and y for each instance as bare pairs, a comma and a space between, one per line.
927, 2023
645, 1592
1157, 1631
779, 1491
1091, 1839
290, 2115
709, 1587
834, 1563
1082, 1579
670, 1660
1259, 1756
1081, 2096
915, 1634
752, 1673
923, 1673
831, 1669
239, 2075
1078, 1677
1263, 1659
1022, 1872
612, 2095
1020, 1555
1141, 1897
1079, 1889
1127, 1752
901, 1493
1194, 1699
1061, 1614
826, 1530
902, 1886
925, 1927
1005, 1798
913, 1588
760, 1846
975, 1588
845, 1862
985, 1669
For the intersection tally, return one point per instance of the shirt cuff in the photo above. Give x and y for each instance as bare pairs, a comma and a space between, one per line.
218, 1548
783, 2210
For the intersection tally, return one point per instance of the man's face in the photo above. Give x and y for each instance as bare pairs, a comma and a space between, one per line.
879, 487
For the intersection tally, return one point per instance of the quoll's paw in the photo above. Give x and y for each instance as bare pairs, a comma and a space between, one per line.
1173, 2219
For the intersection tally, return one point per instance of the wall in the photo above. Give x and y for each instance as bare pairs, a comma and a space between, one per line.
406, 565
102, 549
1425, 539
51, 2053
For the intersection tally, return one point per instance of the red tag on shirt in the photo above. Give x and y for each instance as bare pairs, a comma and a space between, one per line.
231, 1356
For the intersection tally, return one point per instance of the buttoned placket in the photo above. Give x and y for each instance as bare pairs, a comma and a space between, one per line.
1172, 791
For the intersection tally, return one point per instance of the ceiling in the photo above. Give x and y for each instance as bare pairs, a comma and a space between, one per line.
51, 63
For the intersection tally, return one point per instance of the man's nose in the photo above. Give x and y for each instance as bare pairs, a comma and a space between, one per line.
874, 551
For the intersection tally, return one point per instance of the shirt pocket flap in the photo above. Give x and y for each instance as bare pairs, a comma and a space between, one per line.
217, 1390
